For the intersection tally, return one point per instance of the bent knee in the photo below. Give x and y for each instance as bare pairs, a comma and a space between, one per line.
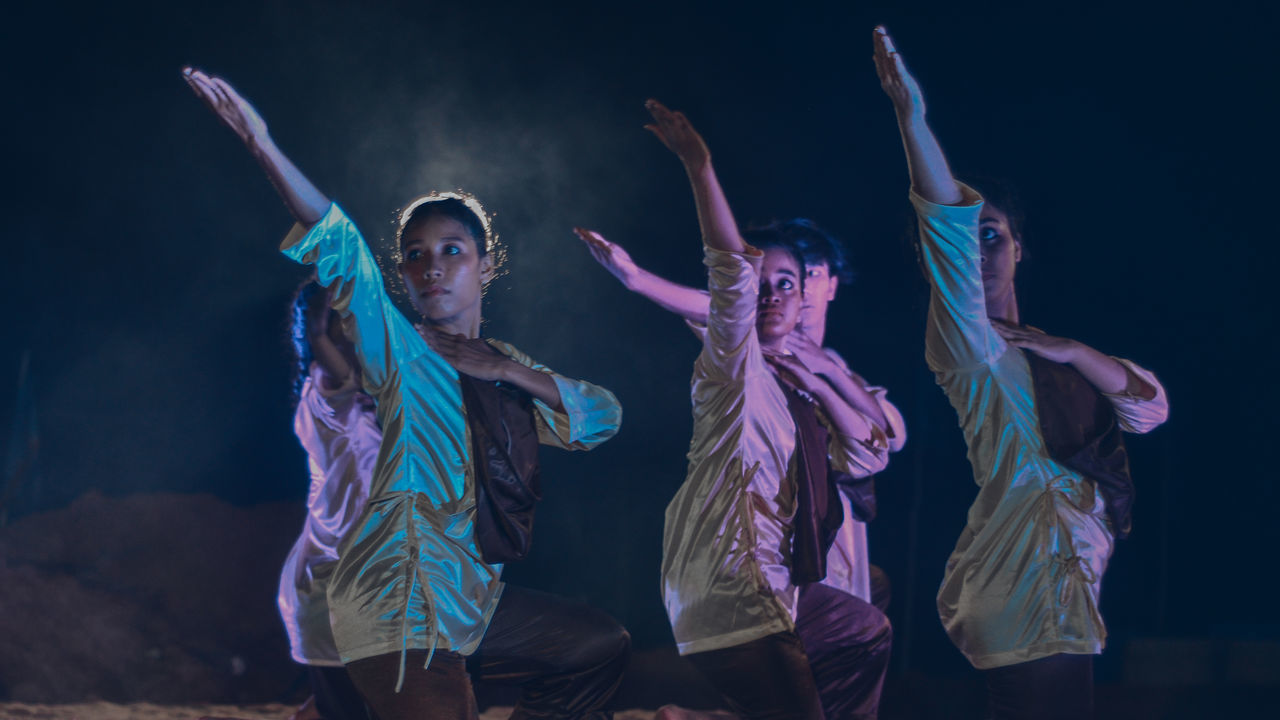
601, 640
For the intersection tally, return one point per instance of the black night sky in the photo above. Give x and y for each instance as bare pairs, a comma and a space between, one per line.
143, 278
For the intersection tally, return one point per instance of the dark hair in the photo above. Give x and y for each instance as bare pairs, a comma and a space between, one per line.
818, 246
996, 193
454, 209
302, 354
1001, 195
815, 245
771, 236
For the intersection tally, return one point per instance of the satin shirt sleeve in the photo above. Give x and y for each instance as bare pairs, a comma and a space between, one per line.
897, 425
1135, 414
327, 401
859, 458
343, 262
730, 348
591, 414
958, 335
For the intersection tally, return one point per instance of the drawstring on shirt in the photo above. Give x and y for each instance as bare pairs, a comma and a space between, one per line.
411, 578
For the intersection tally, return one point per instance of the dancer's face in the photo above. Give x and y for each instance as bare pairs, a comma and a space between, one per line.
1000, 251
819, 291
779, 301
444, 272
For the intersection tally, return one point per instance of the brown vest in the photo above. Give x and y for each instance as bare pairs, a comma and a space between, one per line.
819, 513
1080, 431
504, 451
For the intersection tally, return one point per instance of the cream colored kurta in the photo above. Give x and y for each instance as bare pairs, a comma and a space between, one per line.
410, 575
337, 427
1024, 579
726, 575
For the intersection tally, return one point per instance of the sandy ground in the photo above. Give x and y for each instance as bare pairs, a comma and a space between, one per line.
148, 711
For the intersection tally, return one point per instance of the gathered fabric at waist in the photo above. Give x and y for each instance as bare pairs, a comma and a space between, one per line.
411, 578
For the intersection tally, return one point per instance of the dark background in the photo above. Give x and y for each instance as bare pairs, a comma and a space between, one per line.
143, 278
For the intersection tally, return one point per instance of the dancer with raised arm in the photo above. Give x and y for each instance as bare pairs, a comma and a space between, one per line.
826, 269
336, 425
746, 536
1042, 417
416, 596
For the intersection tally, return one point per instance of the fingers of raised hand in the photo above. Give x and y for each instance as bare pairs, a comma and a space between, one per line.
199, 84
600, 249
883, 40
889, 64
591, 237
659, 111
657, 131
667, 121
226, 90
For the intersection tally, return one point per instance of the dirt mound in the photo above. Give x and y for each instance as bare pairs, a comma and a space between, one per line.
157, 597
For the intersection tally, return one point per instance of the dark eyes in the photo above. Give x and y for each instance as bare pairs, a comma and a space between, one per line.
785, 285
988, 234
416, 254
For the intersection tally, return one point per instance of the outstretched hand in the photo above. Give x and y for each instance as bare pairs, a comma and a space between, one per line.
674, 130
233, 110
794, 371
810, 353
1049, 347
610, 255
469, 356
897, 83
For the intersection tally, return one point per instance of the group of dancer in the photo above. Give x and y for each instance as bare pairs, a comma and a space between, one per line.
422, 441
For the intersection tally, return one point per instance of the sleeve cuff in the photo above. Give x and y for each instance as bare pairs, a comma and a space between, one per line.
588, 418
301, 240
969, 200
891, 413
726, 258
1146, 376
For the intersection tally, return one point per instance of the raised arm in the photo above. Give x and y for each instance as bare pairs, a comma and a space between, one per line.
689, 303
324, 237
930, 176
719, 229
730, 346
305, 202
958, 334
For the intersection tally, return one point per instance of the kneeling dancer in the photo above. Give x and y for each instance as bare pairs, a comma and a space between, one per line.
759, 508
1042, 417
415, 600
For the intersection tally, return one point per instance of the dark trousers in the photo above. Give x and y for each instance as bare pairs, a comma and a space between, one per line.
833, 666
566, 657
336, 696
1059, 687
